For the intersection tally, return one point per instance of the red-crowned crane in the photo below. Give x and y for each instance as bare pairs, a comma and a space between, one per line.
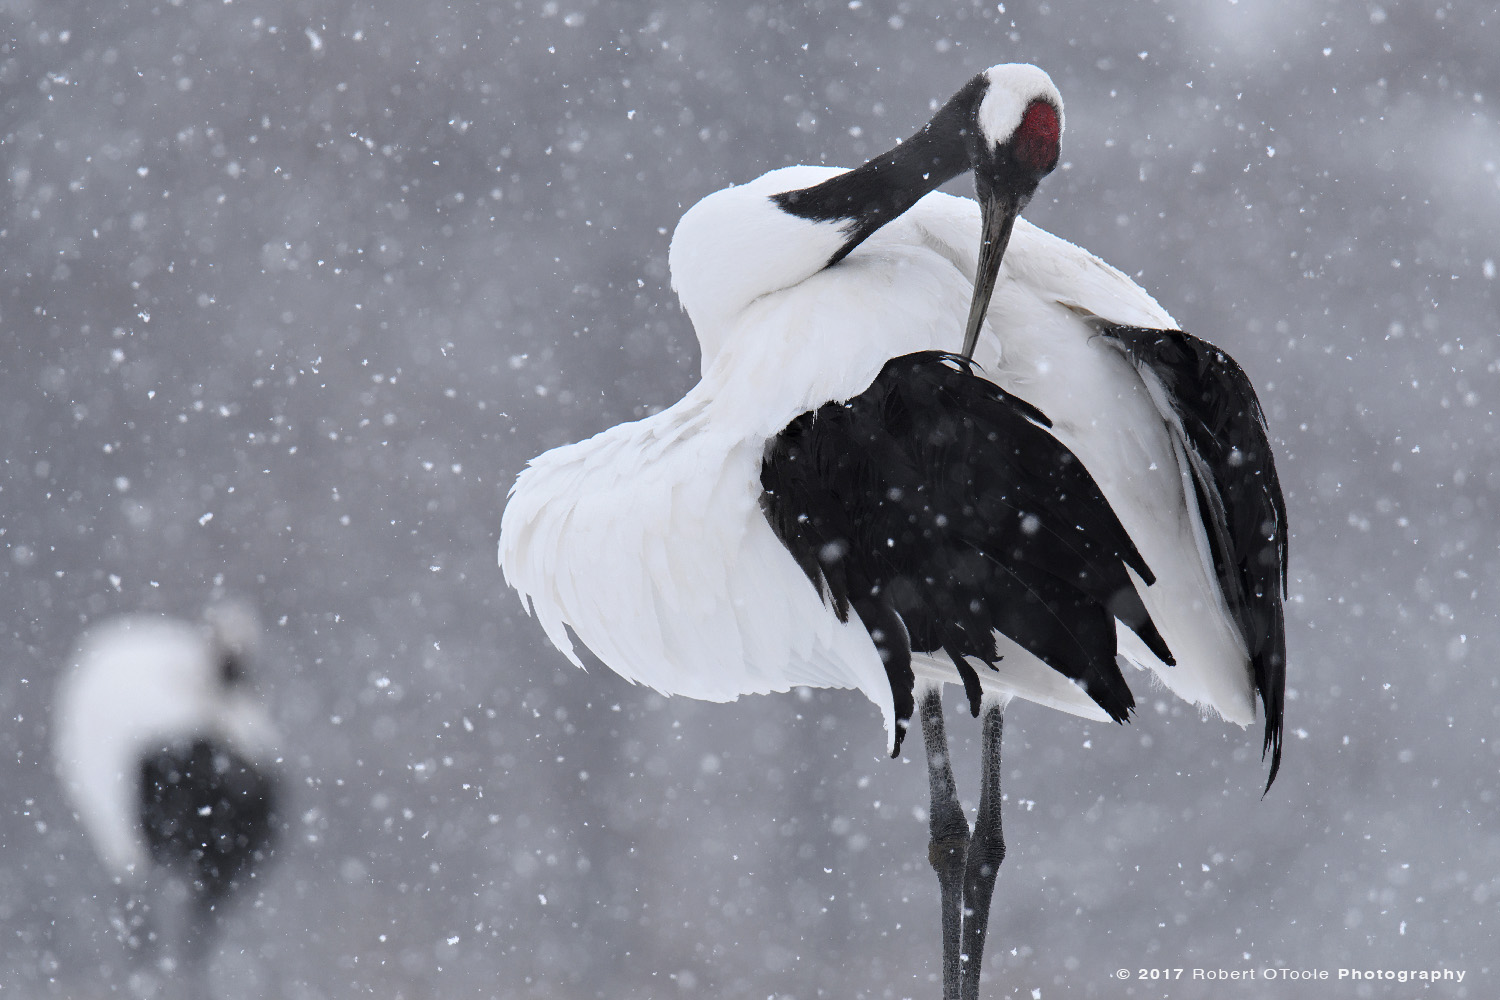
840, 502
169, 761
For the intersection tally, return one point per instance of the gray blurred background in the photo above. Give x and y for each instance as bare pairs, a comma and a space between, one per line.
290, 291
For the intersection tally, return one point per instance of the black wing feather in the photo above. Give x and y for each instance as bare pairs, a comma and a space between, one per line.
207, 812
1238, 494
938, 502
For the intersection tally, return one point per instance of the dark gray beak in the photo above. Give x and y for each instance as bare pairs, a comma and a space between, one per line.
999, 217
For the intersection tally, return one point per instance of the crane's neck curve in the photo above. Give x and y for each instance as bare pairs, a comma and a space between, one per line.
866, 198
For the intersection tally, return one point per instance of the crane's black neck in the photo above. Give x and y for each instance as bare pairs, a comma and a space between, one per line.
868, 197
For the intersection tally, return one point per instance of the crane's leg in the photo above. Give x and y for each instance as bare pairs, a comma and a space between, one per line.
199, 929
986, 851
949, 835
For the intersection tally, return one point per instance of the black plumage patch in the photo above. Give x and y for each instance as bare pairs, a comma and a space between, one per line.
1237, 491
207, 813
941, 510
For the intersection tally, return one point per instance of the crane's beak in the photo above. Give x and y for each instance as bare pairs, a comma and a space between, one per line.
999, 211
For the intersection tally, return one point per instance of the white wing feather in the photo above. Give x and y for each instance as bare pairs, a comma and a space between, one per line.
667, 570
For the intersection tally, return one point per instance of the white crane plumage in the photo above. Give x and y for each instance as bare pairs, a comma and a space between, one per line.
169, 759
829, 460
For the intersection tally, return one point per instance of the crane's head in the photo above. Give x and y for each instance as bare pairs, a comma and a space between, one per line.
1018, 123
234, 631
1014, 142
1004, 124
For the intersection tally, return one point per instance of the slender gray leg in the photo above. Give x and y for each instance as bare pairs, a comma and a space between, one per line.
199, 929
986, 852
950, 836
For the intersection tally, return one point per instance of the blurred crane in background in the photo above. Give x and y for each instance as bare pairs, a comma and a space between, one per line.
169, 761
